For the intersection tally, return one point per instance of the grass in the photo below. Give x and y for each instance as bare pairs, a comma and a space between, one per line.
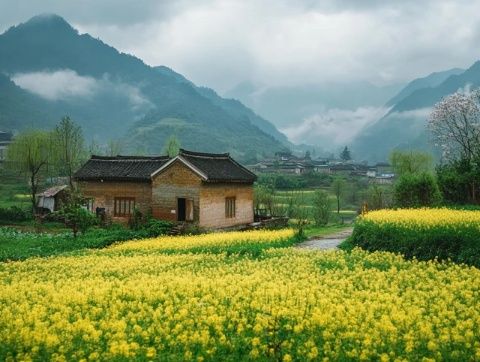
20, 244
319, 231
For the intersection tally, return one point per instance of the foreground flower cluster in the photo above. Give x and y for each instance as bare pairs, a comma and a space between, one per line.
425, 217
142, 300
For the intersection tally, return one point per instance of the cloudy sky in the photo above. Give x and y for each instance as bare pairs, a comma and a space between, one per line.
277, 43
220, 43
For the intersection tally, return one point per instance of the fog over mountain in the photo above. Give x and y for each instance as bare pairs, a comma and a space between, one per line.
49, 70
325, 73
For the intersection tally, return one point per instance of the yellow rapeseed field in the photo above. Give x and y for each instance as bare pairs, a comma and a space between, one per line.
425, 217
156, 300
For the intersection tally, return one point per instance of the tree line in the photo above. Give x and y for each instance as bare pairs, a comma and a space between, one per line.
38, 154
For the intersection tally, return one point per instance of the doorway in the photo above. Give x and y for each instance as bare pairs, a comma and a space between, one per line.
181, 209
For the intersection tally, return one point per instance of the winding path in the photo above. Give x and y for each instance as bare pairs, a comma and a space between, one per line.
327, 242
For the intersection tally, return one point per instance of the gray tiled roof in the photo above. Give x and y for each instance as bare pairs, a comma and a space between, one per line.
120, 168
218, 167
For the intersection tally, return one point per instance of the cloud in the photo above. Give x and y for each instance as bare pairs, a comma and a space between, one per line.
220, 43
334, 127
67, 85
61, 84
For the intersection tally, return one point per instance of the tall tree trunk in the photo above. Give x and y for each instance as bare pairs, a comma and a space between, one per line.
33, 189
338, 205
474, 194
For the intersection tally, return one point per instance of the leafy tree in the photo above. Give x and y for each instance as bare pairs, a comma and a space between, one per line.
412, 162
321, 207
298, 210
30, 154
345, 154
68, 148
338, 189
459, 181
263, 199
74, 214
172, 146
417, 190
379, 197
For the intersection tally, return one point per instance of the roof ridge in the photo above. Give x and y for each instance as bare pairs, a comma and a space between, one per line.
184, 152
128, 158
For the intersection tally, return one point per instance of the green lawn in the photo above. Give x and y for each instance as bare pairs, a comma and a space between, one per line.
14, 190
318, 231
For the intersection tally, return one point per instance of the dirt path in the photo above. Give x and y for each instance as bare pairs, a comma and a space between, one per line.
327, 242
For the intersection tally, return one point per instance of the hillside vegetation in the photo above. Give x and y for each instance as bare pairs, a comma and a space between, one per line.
59, 72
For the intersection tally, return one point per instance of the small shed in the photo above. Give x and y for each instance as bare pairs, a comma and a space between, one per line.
51, 199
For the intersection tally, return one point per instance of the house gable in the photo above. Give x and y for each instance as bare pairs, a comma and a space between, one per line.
174, 182
179, 160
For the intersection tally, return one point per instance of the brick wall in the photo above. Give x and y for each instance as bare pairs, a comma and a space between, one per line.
212, 205
177, 181
104, 194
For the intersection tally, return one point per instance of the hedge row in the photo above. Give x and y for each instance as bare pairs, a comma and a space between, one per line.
459, 243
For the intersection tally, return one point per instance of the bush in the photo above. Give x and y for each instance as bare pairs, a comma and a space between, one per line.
426, 234
154, 227
321, 208
14, 213
417, 190
458, 182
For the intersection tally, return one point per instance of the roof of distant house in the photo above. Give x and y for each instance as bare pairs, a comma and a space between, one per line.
5, 136
212, 167
52, 191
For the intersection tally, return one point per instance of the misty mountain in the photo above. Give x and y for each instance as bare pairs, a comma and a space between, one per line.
431, 80
287, 105
50, 70
404, 126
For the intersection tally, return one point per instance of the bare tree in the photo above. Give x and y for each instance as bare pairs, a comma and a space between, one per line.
114, 147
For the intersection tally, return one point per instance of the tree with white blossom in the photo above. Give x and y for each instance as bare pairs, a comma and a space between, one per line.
455, 126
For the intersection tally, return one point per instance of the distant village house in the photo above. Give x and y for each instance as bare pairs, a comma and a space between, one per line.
51, 199
212, 190
5, 140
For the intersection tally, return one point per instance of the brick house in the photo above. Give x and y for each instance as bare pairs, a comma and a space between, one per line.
212, 190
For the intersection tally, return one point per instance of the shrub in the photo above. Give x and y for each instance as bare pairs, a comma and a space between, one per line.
321, 208
417, 190
14, 213
73, 213
422, 233
154, 227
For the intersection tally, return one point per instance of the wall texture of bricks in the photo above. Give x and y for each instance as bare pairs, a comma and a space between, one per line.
104, 193
177, 181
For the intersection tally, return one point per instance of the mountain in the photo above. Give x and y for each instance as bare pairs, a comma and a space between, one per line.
288, 105
50, 70
404, 125
19, 108
430, 81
